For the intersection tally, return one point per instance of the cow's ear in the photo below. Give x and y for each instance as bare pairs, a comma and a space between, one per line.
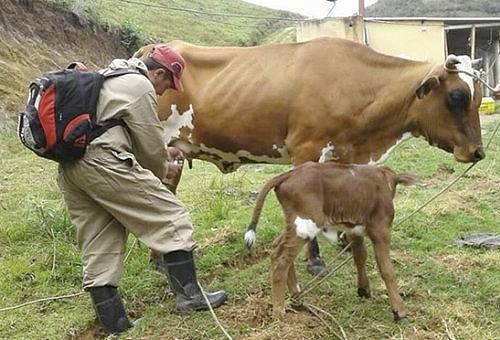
427, 85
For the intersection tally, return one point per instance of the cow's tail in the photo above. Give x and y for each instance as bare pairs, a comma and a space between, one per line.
251, 234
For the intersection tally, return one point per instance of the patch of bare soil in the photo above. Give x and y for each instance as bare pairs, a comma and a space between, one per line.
458, 264
256, 311
91, 333
36, 37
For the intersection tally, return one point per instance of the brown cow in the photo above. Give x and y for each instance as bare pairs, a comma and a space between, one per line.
326, 197
323, 100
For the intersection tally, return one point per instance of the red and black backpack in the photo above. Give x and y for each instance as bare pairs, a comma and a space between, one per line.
60, 117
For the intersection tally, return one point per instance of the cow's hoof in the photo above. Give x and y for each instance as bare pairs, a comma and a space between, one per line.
399, 316
297, 305
317, 267
364, 293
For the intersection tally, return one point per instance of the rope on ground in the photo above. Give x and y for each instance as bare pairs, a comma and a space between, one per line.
309, 307
130, 250
305, 291
42, 300
313, 311
448, 331
213, 313
317, 277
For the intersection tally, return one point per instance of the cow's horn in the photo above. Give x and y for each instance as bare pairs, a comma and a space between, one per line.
451, 61
477, 62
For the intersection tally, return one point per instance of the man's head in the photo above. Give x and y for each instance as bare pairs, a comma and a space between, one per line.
165, 66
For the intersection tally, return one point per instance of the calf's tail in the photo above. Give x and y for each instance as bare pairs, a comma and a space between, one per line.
251, 234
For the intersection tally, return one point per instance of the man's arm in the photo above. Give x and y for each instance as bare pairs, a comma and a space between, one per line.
147, 134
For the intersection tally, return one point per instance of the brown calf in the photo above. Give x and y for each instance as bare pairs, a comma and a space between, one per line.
326, 197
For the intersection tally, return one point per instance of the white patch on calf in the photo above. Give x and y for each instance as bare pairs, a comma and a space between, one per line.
387, 153
358, 230
330, 234
306, 228
466, 65
327, 153
175, 122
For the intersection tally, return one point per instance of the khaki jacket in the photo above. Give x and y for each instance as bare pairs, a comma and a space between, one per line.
131, 97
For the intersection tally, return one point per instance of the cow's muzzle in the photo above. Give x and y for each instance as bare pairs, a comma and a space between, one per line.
469, 153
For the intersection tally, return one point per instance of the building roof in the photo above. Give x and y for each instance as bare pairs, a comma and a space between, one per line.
451, 22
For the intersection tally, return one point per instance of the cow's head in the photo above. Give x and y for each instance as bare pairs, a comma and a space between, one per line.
446, 110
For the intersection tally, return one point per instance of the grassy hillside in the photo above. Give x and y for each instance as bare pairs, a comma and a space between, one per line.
163, 20
450, 292
96, 31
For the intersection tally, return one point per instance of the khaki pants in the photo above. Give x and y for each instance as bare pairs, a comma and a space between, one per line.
109, 194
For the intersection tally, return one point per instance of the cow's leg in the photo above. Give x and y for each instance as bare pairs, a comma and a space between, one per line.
154, 257
315, 265
359, 255
381, 238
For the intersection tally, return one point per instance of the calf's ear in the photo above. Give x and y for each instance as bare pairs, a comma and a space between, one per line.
406, 178
427, 85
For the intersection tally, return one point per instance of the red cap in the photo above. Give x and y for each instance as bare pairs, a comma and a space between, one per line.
169, 58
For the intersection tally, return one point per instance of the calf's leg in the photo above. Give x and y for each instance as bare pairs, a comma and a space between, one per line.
286, 248
381, 238
359, 255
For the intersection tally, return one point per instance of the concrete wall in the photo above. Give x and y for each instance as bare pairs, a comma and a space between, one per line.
408, 39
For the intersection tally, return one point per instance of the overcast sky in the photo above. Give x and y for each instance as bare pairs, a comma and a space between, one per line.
314, 8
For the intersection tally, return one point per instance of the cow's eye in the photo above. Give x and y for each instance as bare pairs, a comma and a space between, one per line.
457, 102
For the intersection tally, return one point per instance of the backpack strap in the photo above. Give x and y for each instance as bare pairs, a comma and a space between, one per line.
119, 72
100, 129
108, 124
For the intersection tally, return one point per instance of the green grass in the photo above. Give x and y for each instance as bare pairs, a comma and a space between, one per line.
445, 286
162, 24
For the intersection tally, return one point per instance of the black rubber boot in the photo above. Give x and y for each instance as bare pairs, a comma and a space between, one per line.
109, 309
182, 278
316, 265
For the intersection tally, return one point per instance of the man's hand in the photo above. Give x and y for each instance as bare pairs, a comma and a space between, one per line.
175, 154
496, 92
174, 168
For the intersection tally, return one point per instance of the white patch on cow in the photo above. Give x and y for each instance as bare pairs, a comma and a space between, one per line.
306, 228
283, 151
330, 234
352, 172
219, 157
250, 238
358, 230
387, 153
176, 121
466, 65
328, 154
